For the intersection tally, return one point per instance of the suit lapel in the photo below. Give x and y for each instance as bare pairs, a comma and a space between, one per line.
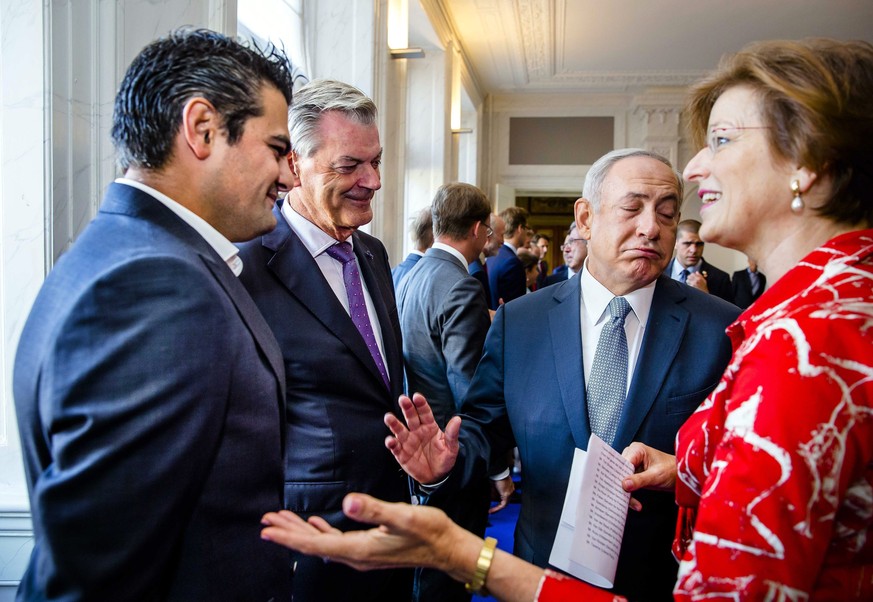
661, 342
252, 317
296, 269
565, 329
382, 293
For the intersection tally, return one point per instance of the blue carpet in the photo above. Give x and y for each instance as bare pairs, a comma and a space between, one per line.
501, 527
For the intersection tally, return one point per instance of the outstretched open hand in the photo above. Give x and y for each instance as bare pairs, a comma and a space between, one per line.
406, 536
425, 452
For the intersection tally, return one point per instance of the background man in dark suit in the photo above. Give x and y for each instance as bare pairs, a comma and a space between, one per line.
325, 289
422, 238
676, 352
690, 267
575, 250
148, 387
444, 319
748, 285
492, 246
505, 272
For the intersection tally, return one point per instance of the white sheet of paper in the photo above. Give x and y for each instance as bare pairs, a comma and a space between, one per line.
595, 509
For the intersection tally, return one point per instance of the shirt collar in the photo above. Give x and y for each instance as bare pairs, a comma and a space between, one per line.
678, 267
316, 240
225, 249
596, 298
511, 246
452, 251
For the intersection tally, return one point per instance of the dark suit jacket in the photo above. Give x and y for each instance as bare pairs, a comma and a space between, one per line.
403, 268
149, 397
717, 281
557, 276
741, 284
477, 271
505, 277
444, 318
336, 397
683, 354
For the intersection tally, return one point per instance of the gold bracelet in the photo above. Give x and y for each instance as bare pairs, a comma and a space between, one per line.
483, 564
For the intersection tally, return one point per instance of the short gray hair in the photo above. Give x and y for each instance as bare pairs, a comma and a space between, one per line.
593, 186
320, 96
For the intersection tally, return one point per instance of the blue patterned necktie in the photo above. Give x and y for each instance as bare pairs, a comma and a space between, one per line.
683, 275
343, 253
607, 383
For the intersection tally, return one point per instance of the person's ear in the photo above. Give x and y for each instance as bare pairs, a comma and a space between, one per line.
806, 178
583, 211
200, 126
474, 230
294, 164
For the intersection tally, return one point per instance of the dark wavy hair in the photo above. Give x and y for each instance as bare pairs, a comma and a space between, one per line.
815, 97
185, 64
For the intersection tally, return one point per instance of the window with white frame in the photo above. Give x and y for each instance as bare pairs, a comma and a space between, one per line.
280, 23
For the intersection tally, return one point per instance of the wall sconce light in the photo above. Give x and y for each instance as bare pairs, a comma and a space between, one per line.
462, 130
398, 31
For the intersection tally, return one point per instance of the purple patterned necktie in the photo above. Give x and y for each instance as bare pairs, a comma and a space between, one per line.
343, 253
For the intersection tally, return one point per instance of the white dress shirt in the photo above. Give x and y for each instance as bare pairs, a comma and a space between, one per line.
317, 241
225, 249
595, 313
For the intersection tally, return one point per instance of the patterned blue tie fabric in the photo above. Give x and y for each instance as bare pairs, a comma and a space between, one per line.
683, 275
607, 382
343, 253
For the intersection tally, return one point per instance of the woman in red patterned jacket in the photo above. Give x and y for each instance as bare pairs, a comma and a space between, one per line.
774, 472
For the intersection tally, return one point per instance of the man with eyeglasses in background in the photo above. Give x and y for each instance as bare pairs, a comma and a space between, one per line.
575, 250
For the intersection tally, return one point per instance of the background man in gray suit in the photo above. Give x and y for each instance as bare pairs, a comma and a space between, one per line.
444, 319
148, 387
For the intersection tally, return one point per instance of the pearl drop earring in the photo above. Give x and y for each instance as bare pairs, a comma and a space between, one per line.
796, 202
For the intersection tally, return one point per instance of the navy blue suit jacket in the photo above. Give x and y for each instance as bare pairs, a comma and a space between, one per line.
529, 389
403, 268
149, 395
335, 397
505, 277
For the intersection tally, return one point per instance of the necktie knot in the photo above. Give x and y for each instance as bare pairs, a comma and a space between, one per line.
683, 276
341, 252
619, 308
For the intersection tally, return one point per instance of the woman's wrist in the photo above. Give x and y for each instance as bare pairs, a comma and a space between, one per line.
463, 550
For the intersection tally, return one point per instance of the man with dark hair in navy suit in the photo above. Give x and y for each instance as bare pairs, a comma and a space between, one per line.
675, 349
149, 390
690, 267
505, 272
